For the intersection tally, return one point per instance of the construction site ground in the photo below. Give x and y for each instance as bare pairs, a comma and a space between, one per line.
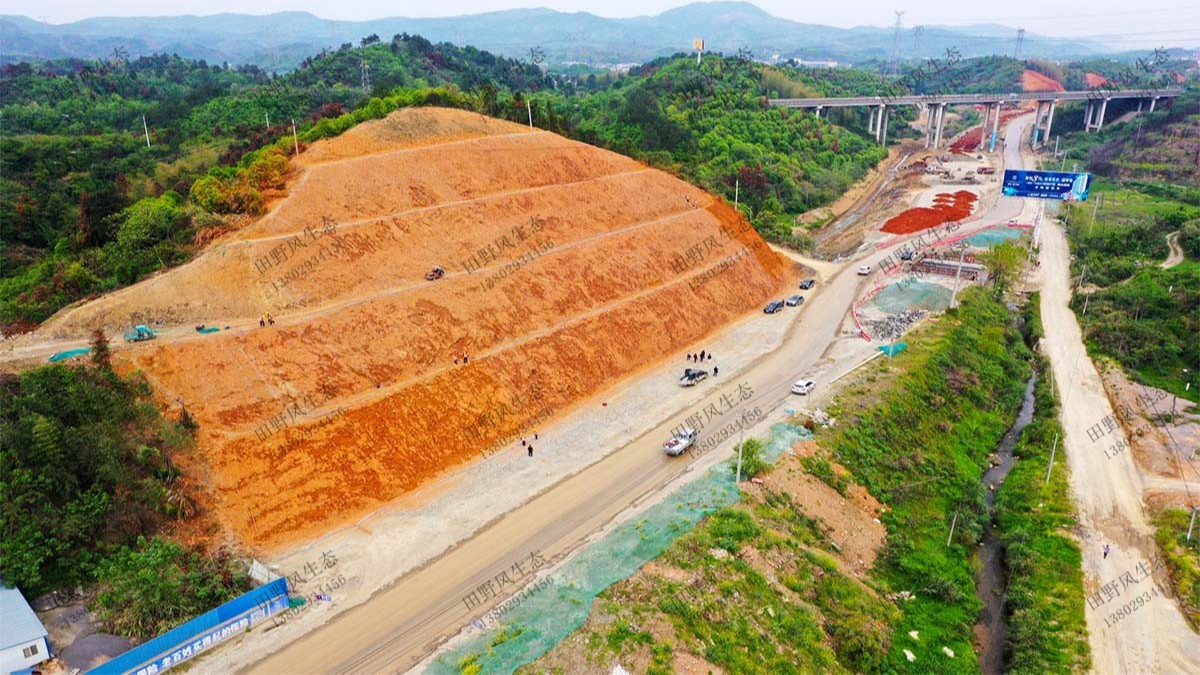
406, 620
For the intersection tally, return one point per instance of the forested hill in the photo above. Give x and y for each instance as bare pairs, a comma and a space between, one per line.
712, 124
86, 206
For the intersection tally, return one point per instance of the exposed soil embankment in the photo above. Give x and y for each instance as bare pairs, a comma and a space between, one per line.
567, 268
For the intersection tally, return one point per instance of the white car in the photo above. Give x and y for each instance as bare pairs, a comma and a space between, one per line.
682, 440
803, 387
864, 270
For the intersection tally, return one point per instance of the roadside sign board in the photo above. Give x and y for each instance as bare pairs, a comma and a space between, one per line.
1059, 185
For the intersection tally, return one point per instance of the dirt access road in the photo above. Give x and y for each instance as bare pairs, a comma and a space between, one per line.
1108, 494
404, 623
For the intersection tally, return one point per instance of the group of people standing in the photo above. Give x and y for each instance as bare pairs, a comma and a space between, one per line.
265, 318
701, 358
465, 358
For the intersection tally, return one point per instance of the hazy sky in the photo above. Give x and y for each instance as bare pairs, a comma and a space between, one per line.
1170, 22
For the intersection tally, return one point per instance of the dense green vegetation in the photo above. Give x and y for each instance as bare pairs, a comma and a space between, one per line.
1146, 317
85, 473
156, 585
1044, 602
1182, 558
921, 450
1160, 148
712, 125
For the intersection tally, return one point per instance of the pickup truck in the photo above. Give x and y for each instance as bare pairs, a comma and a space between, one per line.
691, 377
682, 440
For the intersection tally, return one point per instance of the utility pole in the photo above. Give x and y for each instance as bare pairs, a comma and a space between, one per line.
1053, 450
267, 115
737, 183
529, 111
958, 276
295, 138
147, 130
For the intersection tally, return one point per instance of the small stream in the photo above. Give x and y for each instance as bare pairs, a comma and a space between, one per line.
991, 633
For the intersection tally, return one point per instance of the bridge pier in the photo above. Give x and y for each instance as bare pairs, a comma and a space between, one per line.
1093, 116
1042, 122
1153, 100
941, 125
881, 127
995, 128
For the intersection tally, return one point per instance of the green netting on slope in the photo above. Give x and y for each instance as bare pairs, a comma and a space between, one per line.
69, 353
912, 294
892, 350
544, 617
994, 236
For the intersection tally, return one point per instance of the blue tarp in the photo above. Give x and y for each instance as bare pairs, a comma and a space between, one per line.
201, 633
69, 353
892, 350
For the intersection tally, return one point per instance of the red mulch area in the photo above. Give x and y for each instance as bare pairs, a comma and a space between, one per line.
946, 208
967, 143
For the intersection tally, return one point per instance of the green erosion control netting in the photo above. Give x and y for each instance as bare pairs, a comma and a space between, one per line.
912, 294
69, 353
544, 617
892, 350
996, 235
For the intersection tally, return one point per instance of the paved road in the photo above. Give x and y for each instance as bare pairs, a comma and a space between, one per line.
401, 624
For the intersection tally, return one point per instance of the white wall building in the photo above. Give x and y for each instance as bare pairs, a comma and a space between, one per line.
22, 636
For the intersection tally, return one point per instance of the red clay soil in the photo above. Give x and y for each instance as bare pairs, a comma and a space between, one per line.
563, 273
969, 141
1031, 80
1094, 80
946, 208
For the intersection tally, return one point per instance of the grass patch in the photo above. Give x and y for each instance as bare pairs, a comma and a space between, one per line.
1183, 559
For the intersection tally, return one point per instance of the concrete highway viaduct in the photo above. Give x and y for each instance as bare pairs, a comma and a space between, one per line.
935, 104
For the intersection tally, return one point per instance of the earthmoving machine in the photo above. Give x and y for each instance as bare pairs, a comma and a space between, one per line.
140, 334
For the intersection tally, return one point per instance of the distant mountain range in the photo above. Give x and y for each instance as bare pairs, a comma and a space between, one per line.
280, 41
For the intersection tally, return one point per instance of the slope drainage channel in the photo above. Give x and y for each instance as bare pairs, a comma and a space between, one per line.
532, 622
991, 632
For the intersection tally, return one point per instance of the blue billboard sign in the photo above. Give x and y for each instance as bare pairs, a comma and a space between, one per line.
1061, 185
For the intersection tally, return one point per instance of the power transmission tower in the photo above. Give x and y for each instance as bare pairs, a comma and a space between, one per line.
917, 31
366, 77
895, 60
1020, 41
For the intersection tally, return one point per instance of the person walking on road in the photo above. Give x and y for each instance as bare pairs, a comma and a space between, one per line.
1106, 549
714, 371
701, 354
531, 449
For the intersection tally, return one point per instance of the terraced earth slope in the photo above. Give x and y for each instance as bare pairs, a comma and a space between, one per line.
567, 268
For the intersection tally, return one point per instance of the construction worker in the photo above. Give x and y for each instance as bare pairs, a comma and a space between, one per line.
262, 320
270, 319
531, 449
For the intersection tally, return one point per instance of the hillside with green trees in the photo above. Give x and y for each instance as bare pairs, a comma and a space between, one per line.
1144, 316
88, 207
87, 484
712, 125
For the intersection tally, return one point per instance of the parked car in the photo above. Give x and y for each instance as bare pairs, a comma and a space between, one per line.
794, 300
691, 376
803, 387
807, 284
864, 270
773, 306
435, 274
906, 254
682, 440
